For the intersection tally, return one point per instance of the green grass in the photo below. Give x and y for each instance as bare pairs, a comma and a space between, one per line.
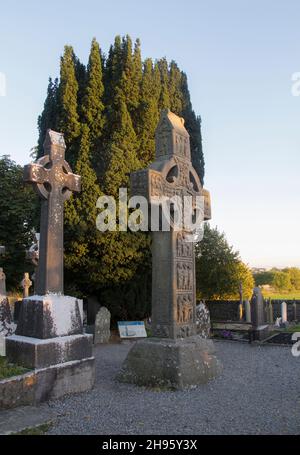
38, 430
293, 328
8, 370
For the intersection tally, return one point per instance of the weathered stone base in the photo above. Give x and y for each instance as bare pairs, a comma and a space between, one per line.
50, 316
47, 383
36, 353
175, 364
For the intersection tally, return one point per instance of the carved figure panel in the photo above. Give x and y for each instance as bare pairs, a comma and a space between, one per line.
184, 309
185, 276
184, 248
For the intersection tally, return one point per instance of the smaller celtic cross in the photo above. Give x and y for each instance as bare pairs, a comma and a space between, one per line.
54, 181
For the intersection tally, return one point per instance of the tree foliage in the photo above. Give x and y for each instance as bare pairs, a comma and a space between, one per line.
287, 279
108, 111
18, 216
219, 270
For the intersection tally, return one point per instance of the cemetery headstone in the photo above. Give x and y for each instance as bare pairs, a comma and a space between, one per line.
295, 311
7, 326
260, 327
174, 356
247, 311
284, 312
102, 326
270, 312
49, 335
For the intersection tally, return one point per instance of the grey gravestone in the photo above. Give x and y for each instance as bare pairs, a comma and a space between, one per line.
7, 326
102, 326
258, 319
270, 312
186, 358
247, 311
257, 308
52, 319
203, 320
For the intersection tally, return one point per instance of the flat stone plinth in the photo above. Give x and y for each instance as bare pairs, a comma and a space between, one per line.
47, 383
50, 316
175, 364
260, 332
36, 353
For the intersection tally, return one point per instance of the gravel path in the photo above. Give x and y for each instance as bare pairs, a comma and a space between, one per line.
258, 393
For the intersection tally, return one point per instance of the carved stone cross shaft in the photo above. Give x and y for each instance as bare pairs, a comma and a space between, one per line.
54, 181
173, 259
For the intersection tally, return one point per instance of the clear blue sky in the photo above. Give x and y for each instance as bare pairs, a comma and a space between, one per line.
239, 57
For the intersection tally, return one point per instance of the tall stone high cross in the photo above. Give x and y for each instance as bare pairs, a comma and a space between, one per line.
174, 356
173, 259
54, 181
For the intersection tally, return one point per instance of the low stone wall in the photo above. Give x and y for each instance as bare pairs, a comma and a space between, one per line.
228, 310
223, 310
47, 383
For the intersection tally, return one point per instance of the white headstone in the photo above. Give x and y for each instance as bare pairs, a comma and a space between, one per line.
284, 312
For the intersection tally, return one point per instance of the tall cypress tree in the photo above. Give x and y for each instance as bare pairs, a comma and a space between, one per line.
175, 93
122, 147
80, 74
48, 118
92, 104
193, 126
68, 118
148, 114
164, 99
82, 240
113, 70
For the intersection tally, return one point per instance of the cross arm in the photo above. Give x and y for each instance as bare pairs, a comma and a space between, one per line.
35, 173
73, 182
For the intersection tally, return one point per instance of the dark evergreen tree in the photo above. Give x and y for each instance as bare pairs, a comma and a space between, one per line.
121, 150
48, 118
113, 70
92, 104
82, 239
193, 126
80, 74
164, 99
148, 114
68, 118
175, 91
